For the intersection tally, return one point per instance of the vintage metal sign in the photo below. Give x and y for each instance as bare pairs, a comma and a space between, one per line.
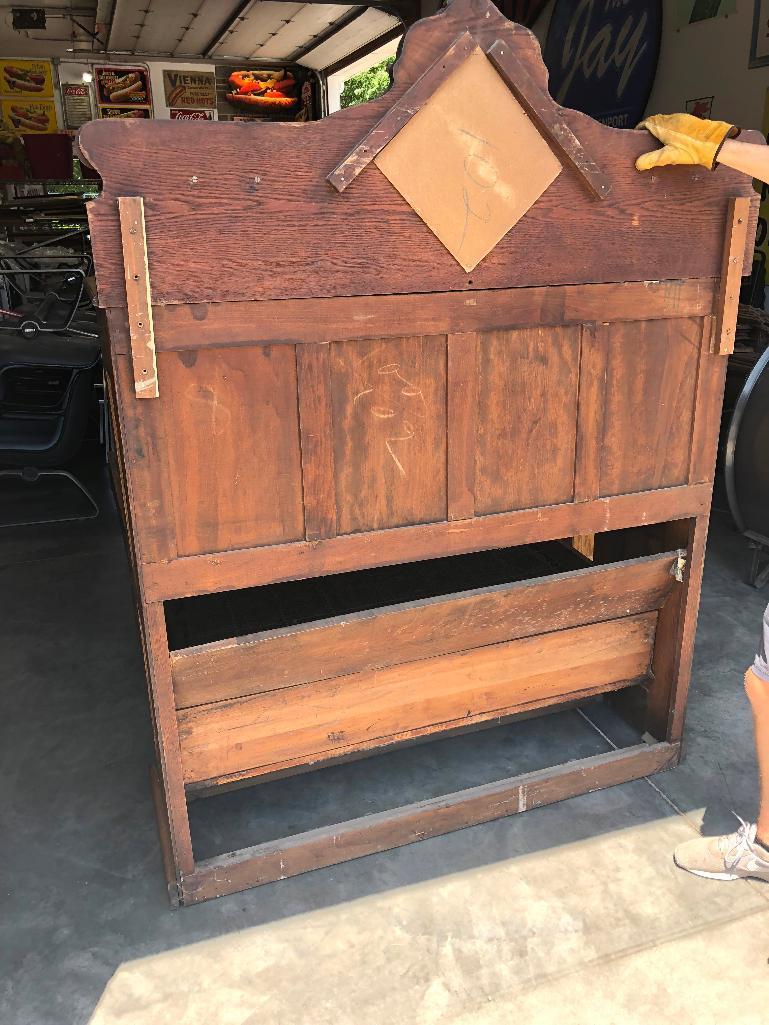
189, 89
602, 57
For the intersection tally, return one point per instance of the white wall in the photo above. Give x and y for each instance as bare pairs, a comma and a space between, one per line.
710, 58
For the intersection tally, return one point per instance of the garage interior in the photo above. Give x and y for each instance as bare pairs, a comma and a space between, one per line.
579, 901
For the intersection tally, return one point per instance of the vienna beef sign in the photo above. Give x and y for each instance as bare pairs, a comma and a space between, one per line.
602, 57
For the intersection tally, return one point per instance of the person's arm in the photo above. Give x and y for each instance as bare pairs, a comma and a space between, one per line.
692, 140
747, 157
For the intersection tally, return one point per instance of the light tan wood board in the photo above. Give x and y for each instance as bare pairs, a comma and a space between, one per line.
470, 163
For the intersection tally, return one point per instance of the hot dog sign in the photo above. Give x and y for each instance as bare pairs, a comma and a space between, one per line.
31, 79
122, 87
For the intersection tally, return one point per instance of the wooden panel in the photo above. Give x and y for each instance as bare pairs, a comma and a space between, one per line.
592, 400
389, 432
383, 637
462, 424
331, 845
232, 434
527, 418
225, 571
298, 723
651, 382
144, 446
312, 365
289, 321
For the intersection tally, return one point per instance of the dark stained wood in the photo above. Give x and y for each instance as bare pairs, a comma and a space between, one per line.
462, 424
250, 567
527, 418
314, 383
164, 833
332, 845
375, 639
590, 422
649, 409
418, 697
177, 168
678, 622
548, 116
155, 645
737, 220
389, 432
290, 321
400, 113
232, 437
337, 394
144, 452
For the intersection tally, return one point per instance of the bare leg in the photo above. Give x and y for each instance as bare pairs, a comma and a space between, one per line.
758, 693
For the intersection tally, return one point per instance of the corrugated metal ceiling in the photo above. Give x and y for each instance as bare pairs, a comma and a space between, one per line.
208, 29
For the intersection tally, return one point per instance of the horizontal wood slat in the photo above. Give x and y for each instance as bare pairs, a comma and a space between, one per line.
331, 845
289, 321
304, 722
250, 567
415, 630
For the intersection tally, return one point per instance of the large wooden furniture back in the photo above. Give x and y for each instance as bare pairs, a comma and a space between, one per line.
335, 391
306, 381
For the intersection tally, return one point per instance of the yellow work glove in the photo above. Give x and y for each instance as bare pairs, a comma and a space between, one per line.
687, 140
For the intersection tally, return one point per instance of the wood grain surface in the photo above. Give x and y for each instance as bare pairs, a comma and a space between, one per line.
330, 845
404, 633
276, 175
302, 722
289, 321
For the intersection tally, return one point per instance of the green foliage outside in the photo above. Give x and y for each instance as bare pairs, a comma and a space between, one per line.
367, 85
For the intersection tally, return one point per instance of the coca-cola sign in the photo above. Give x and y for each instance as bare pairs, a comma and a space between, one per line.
192, 115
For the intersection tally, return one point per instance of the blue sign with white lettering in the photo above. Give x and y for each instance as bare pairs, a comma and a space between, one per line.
602, 57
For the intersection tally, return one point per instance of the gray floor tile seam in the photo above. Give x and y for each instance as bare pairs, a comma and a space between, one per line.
646, 779
545, 979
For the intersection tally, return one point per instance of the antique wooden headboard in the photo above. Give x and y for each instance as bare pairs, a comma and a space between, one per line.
451, 320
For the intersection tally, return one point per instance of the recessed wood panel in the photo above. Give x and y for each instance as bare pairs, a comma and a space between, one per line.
527, 418
651, 381
354, 712
389, 432
232, 431
353, 643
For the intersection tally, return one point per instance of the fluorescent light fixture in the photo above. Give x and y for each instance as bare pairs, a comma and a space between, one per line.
87, 77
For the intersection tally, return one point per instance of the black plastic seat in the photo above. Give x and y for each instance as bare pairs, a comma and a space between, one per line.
46, 386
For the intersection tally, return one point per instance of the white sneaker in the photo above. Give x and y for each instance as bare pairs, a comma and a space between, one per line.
734, 856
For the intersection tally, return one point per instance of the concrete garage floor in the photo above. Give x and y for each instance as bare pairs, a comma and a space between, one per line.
570, 913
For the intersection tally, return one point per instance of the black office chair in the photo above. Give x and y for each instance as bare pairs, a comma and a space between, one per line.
46, 390
747, 468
